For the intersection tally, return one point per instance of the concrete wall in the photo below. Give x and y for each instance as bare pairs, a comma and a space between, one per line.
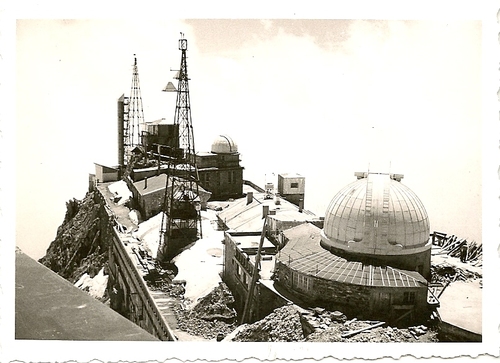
291, 184
223, 183
120, 127
237, 275
151, 204
104, 174
451, 333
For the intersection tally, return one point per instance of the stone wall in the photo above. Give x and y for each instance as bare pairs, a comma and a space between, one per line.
364, 302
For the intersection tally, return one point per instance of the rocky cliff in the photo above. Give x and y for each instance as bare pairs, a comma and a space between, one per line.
82, 240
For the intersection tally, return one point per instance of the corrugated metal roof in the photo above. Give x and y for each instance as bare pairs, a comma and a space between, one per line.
304, 254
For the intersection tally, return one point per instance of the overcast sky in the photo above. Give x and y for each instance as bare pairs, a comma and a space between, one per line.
324, 98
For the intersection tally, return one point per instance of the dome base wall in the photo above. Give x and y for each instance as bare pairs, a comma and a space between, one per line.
364, 302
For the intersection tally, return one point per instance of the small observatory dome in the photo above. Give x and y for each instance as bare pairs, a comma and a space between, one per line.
223, 144
376, 215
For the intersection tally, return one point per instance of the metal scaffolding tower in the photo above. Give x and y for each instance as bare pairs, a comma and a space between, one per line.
181, 220
135, 110
130, 119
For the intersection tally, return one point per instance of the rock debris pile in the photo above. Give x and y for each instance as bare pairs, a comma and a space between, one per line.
212, 317
282, 325
334, 327
379, 334
216, 305
293, 324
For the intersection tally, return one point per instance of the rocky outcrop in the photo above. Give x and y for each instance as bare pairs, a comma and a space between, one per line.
81, 243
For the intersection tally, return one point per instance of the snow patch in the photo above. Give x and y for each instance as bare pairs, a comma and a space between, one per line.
134, 216
148, 233
120, 190
199, 266
94, 286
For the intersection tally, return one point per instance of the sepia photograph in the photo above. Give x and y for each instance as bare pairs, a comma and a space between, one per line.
271, 183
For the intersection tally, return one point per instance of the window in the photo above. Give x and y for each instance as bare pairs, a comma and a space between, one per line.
409, 297
230, 177
294, 185
301, 281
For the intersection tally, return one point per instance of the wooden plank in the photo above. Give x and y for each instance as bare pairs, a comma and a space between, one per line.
354, 332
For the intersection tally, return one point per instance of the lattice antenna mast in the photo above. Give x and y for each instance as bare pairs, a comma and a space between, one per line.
183, 108
181, 209
136, 111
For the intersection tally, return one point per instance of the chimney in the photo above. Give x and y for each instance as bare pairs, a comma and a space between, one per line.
145, 182
249, 197
265, 211
301, 205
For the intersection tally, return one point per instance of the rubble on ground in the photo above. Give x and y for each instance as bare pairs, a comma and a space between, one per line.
217, 305
212, 317
282, 325
199, 327
379, 334
290, 323
339, 329
446, 272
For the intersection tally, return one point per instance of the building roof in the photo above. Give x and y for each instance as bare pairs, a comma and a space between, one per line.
151, 184
108, 168
223, 144
291, 216
240, 216
161, 121
290, 175
244, 242
158, 182
376, 214
304, 254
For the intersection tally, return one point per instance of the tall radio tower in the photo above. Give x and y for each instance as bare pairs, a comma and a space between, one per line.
136, 112
130, 119
181, 221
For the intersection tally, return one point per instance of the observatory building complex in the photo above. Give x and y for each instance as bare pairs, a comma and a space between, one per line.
369, 256
372, 255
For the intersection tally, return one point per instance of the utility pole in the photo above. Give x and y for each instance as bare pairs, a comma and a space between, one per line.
255, 275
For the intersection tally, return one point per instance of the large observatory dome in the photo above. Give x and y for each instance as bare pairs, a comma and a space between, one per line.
223, 144
378, 216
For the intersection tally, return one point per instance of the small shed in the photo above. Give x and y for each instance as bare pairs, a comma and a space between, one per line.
104, 174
